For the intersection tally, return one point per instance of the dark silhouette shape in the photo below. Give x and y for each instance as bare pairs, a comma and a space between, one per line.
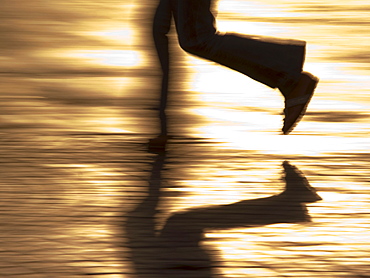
274, 62
175, 251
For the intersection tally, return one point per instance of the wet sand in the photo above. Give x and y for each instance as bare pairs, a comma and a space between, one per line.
81, 195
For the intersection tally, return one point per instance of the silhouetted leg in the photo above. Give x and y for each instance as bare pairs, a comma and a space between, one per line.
274, 62
161, 26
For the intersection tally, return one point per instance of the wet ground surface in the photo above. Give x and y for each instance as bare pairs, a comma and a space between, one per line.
81, 195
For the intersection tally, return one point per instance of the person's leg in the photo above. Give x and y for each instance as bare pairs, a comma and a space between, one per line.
161, 27
297, 100
274, 62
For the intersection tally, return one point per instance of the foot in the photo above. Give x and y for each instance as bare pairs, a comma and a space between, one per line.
297, 101
297, 187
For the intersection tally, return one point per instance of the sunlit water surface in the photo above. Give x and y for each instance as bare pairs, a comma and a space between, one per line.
79, 81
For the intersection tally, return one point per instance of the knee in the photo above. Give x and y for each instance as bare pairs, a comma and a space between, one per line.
200, 47
191, 47
203, 46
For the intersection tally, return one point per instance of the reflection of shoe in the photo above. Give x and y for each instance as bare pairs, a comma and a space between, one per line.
295, 213
296, 106
297, 187
158, 144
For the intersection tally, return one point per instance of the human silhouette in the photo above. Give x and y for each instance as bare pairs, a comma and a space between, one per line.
274, 62
176, 250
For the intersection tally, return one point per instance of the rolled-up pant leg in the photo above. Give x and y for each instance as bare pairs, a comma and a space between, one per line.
274, 62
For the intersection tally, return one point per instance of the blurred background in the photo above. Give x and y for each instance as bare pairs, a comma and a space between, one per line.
79, 81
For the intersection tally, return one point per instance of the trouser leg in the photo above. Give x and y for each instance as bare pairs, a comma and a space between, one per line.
274, 62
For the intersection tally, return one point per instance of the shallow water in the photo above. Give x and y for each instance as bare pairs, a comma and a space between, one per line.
79, 83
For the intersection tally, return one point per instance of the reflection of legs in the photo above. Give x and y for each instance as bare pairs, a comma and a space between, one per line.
140, 229
184, 232
264, 211
287, 207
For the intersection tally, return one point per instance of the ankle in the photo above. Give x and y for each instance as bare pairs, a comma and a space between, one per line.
288, 85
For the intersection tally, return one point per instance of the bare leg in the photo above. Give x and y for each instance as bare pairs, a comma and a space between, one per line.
161, 26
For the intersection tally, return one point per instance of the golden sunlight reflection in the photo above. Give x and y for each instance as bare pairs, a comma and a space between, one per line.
231, 136
124, 36
334, 196
237, 114
255, 28
117, 58
251, 9
110, 125
79, 101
